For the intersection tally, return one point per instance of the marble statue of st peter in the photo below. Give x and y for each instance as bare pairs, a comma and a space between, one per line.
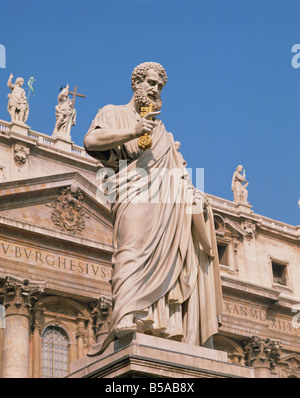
165, 279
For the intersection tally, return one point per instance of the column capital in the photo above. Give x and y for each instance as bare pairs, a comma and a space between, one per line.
262, 353
19, 295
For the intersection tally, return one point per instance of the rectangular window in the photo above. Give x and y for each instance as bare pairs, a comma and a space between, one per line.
279, 273
223, 253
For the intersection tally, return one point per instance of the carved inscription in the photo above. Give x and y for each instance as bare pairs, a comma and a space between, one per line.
53, 260
244, 311
272, 322
282, 325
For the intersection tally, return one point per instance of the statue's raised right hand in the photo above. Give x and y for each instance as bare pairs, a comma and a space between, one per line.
145, 125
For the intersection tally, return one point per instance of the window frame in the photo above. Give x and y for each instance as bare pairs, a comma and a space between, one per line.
63, 332
286, 265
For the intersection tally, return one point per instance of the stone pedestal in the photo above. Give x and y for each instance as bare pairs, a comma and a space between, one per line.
62, 141
139, 355
244, 207
19, 128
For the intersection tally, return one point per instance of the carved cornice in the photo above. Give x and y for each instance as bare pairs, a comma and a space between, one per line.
264, 225
261, 293
227, 227
290, 365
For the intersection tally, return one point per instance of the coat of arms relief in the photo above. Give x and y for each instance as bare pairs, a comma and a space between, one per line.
68, 214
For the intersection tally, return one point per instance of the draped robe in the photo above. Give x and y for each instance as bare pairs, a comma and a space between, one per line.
18, 100
164, 269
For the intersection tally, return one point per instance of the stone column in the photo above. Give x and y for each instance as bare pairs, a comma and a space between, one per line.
101, 315
18, 296
2, 326
263, 355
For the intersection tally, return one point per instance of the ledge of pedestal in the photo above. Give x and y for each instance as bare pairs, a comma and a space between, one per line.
19, 128
140, 355
62, 141
244, 207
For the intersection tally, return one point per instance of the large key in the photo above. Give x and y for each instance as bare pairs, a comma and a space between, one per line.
145, 140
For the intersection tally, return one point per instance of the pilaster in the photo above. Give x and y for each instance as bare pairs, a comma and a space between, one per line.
37, 326
80, 336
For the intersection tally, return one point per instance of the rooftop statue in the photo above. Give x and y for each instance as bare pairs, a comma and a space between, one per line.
239, 185
165, 279
65, 113
18, 107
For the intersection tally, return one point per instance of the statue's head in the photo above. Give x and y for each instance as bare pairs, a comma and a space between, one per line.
147, 82
19, 81
239, 168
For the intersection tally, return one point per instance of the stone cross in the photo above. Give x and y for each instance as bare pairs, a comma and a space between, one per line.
75, 94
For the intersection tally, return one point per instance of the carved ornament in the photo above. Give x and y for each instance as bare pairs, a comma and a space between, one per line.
21, 154
68, 214
19, 295
101, 314
262, 352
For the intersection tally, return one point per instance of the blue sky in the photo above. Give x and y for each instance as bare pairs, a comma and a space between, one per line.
232, 97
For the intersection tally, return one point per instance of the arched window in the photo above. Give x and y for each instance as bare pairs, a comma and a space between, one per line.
55, 344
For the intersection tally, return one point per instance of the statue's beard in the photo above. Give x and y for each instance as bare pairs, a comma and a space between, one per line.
143, 98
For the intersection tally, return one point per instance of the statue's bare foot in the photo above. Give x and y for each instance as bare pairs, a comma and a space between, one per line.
144, 324
176, 335
125, 326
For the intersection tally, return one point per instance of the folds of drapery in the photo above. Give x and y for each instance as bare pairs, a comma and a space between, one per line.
165, 261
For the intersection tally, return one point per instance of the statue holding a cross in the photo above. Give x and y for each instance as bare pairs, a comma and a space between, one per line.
65, 112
